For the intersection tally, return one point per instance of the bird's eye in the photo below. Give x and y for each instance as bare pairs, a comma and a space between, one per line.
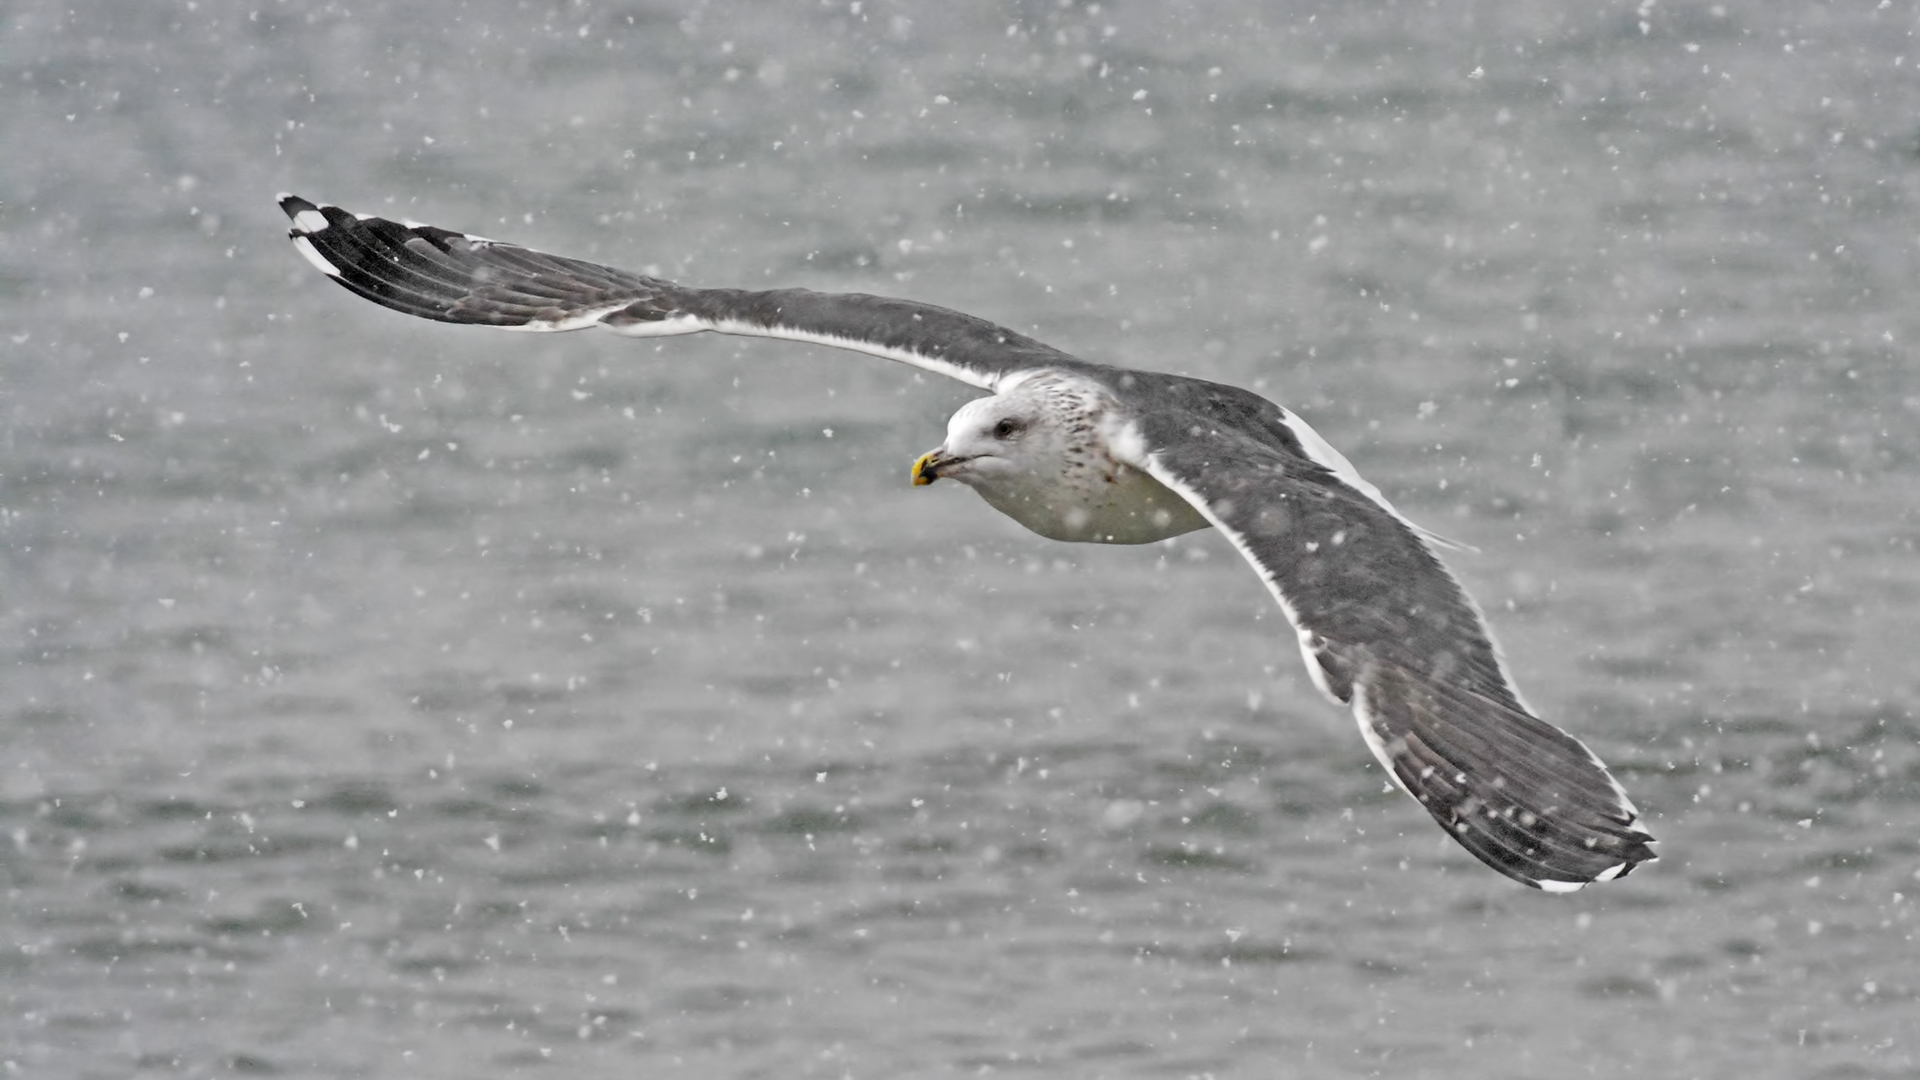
1006, 429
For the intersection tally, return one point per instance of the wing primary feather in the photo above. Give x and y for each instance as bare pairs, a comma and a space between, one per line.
1385, 627
447, 276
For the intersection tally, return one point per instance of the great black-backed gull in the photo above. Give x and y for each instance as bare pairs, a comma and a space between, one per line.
1088, 452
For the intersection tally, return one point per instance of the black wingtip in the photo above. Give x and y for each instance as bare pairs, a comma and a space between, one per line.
293, 205
1524, 797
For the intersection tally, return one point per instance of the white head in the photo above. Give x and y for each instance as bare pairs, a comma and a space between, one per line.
1039, 453
1019, 437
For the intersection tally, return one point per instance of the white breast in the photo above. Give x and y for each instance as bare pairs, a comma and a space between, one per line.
1114, 504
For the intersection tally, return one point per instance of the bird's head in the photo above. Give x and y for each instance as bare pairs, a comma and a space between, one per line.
993, 439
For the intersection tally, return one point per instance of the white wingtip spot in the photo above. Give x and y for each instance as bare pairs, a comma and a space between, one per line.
310, 221
1572, 886
1611, 872
312, 255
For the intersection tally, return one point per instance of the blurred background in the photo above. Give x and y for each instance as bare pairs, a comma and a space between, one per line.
389, 699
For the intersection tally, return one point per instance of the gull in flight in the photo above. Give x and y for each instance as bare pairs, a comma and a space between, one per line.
1092, 453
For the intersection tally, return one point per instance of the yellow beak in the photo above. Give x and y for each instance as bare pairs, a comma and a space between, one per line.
926, 469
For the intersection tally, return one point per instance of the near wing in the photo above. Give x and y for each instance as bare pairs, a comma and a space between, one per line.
452, 277
1386, 629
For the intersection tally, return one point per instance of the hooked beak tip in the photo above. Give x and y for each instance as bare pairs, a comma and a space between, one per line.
927, 469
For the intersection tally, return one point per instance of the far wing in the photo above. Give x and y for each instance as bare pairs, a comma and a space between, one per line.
1386, 629
438, 274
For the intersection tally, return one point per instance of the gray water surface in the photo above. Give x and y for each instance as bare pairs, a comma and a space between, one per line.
385, 699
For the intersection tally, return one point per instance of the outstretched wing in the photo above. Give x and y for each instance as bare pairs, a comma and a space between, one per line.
453, 277
1386, 629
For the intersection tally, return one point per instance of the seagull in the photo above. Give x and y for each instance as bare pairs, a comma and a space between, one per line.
1094, 453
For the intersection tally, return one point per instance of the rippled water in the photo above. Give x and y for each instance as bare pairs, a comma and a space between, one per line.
390, 699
